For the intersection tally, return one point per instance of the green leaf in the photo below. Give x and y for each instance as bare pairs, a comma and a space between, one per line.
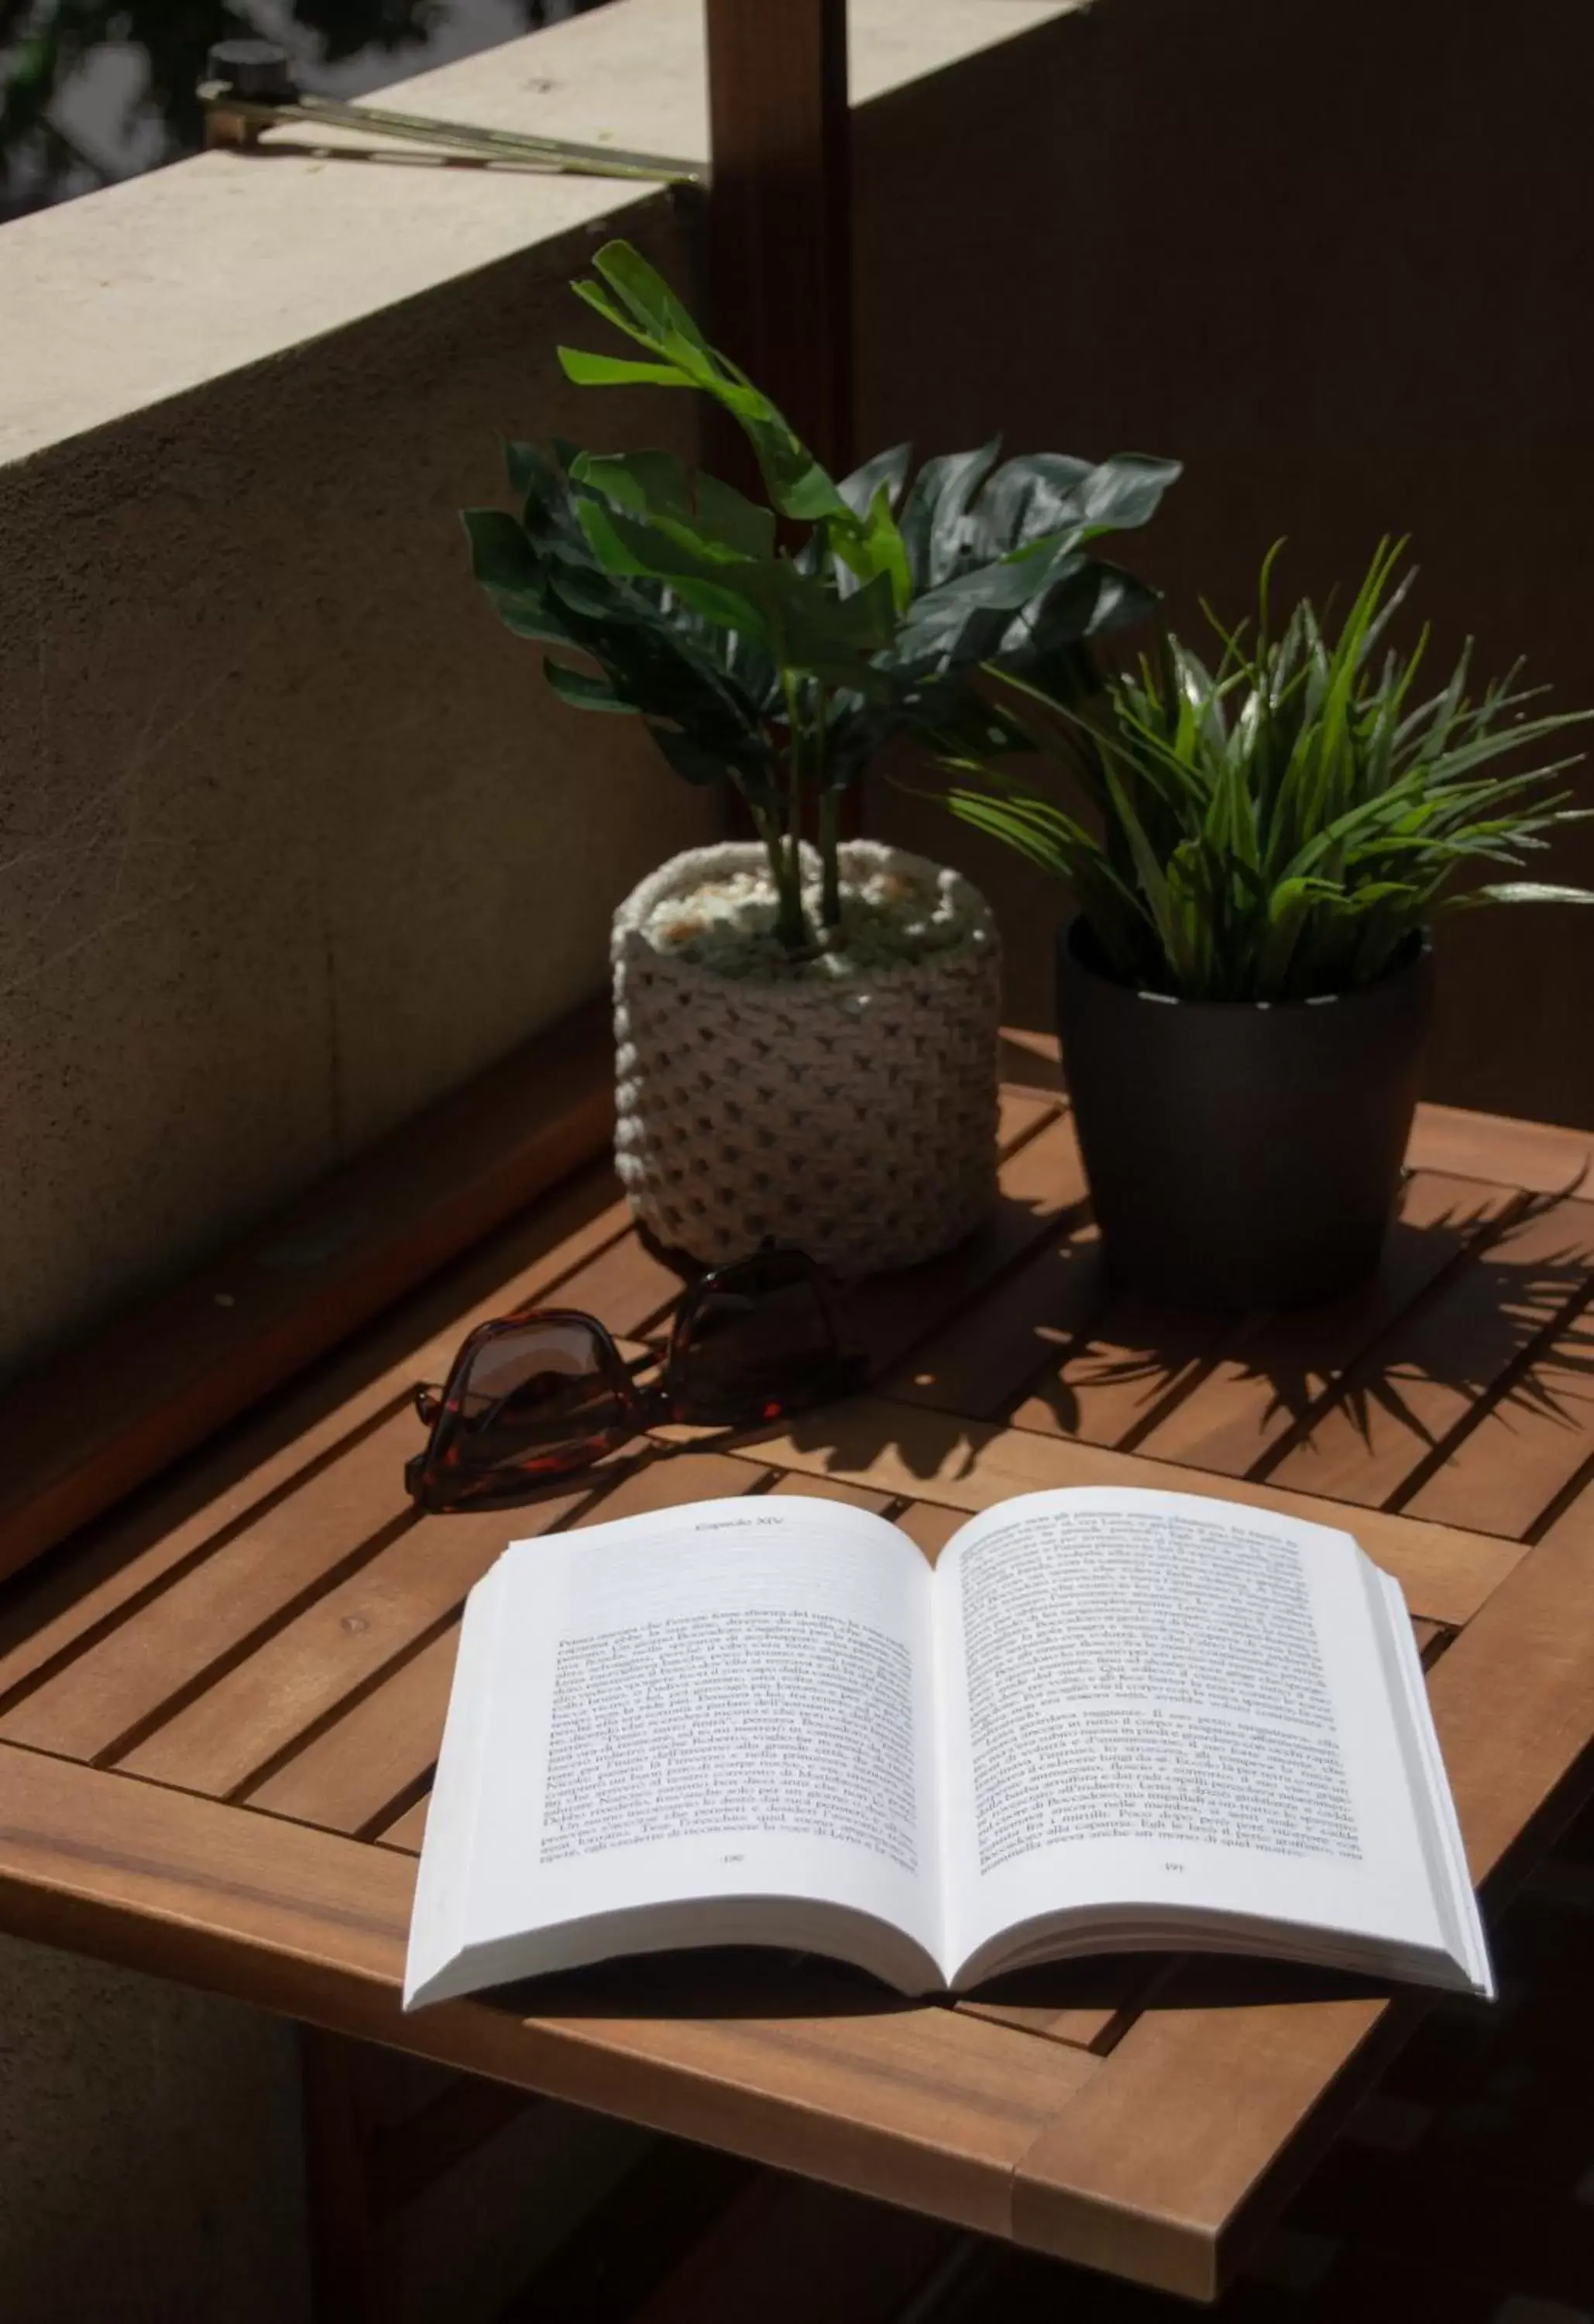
1532, 891
887, 472
935, 517
528, 472
786, 668
1125, 492
580, 688
1283, 822
694, 509
618, 371
690, 759
501, 557
644, 290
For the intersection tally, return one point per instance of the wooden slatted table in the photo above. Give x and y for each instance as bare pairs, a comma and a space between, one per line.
220, 1702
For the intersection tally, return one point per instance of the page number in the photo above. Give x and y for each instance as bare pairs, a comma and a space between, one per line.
1168, 1866
733, 1859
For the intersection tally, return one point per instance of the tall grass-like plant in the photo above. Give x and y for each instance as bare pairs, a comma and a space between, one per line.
1283, 824
776, 646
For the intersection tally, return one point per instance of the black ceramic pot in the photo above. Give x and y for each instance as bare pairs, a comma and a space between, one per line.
1241, 1154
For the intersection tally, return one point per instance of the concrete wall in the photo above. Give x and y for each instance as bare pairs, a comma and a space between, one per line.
123, 2200
1335, 259
304, 839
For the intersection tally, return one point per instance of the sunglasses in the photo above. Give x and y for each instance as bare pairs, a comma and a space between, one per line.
546, 1392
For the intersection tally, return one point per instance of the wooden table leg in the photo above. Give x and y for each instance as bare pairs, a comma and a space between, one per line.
349, 2255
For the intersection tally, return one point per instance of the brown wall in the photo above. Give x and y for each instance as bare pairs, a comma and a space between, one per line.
1338, 261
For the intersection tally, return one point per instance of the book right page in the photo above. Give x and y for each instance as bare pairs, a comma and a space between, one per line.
1169, 1707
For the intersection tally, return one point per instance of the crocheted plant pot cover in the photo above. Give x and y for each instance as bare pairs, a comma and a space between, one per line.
855, 1118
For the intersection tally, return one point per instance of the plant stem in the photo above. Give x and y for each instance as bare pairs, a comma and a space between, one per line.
792, 931
830, 827
791, 926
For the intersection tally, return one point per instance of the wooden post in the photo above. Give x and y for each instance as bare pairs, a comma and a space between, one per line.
781, 210
350, 2279
780, 229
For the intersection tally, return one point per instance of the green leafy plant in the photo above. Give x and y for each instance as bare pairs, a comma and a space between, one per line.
1283, 824
777, 645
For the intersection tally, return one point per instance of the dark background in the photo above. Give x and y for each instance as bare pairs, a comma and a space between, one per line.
1339, 262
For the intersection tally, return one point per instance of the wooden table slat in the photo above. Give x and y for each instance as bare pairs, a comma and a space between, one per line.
227, 1739
1436, 1367
1272, 1371
408, 1830
50, 1613
1538, 1156
224, 1740
1513, 1696
981, 1361
927, 1523
217, 1610
1145, 2174
1135, 1358
963, 1464
834, 1489
359, 1776
1525, 1448
1107, 1994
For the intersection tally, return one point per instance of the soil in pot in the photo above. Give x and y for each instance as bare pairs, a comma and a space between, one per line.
1241, 1154
845, 1103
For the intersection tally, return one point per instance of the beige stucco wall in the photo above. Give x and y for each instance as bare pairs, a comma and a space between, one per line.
302, 838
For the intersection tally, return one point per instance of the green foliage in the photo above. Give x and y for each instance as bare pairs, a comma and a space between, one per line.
778, 645
1281, 824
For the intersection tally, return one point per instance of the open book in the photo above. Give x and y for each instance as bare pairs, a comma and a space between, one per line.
1105, 1720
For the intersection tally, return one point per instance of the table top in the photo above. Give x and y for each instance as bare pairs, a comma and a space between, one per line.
220, 1704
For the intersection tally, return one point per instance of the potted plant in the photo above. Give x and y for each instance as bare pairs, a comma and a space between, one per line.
806, 1026
1243, 986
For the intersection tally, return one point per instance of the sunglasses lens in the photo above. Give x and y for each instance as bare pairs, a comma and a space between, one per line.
536, 1391
525, 1401
755, 1341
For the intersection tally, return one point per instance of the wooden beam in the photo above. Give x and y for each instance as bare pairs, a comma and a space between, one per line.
350, 2272
780, 211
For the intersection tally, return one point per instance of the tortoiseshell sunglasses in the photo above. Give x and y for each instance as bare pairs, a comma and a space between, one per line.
546, 1392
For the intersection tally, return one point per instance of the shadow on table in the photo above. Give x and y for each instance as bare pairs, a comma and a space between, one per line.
746, 1982
1111, 1368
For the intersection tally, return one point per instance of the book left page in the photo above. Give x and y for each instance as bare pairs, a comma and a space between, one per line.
710, 1725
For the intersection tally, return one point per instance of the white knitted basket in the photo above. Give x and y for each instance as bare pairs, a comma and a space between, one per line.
855, 1118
